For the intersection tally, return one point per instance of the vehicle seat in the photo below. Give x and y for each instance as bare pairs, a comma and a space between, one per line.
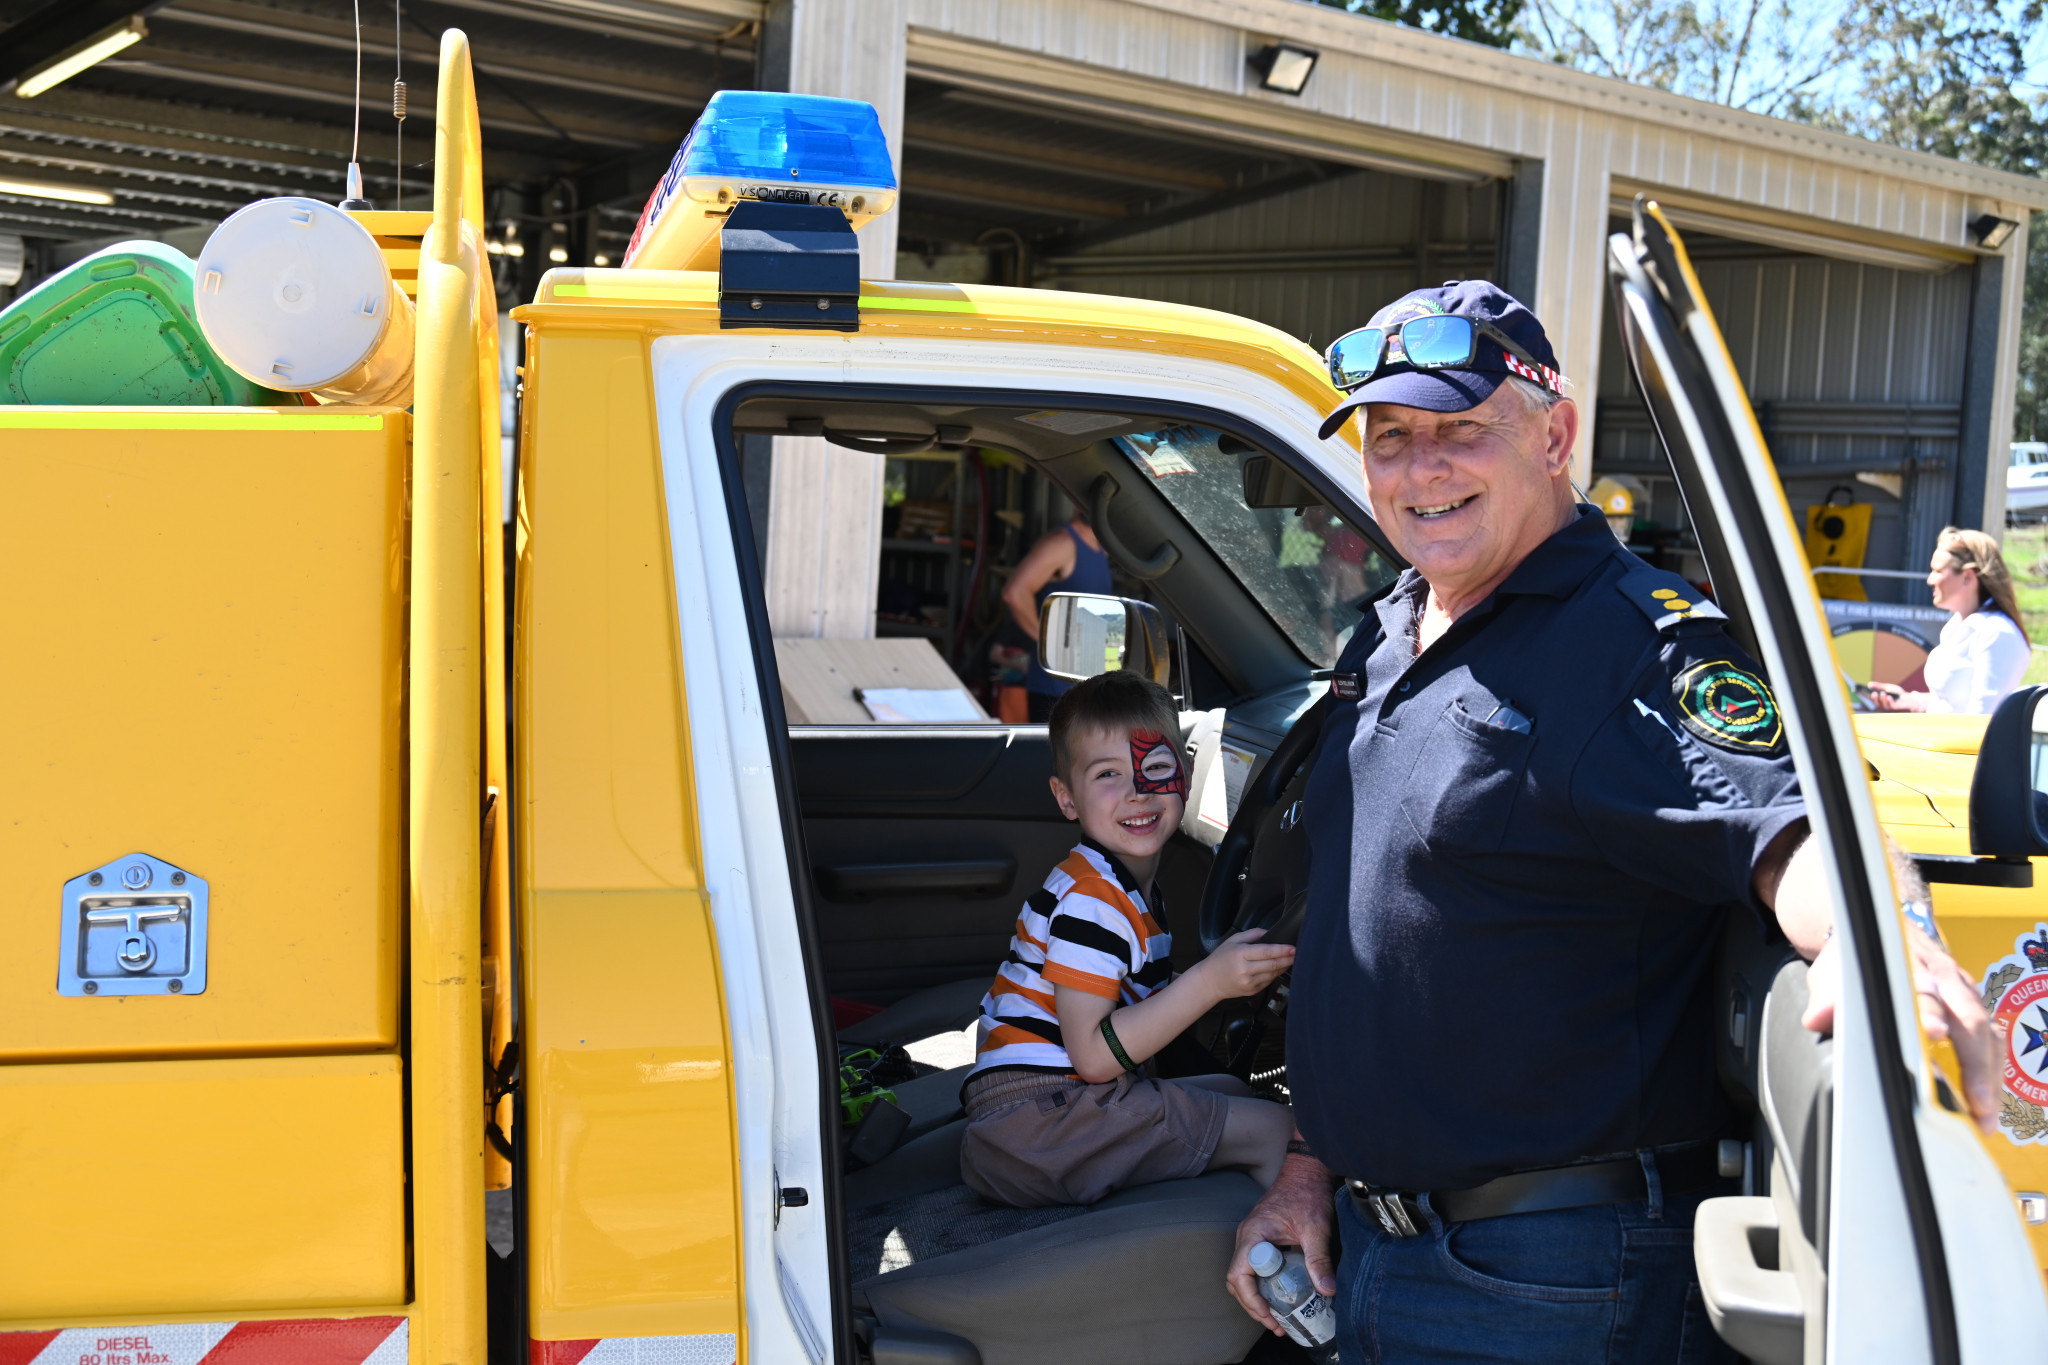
1137, 1277
933, 1100
935, 1009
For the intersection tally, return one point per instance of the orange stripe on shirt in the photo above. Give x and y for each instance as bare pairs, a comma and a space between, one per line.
1062, 975
1006, 1035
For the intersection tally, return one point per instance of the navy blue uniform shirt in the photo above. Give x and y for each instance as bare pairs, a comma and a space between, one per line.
1522, 842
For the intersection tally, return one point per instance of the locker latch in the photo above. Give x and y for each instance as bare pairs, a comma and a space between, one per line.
134, 926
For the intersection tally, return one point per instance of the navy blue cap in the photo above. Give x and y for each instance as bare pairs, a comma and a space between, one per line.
1454, 390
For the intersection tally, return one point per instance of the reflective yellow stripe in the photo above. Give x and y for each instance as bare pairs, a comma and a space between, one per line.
188, 419
919, 305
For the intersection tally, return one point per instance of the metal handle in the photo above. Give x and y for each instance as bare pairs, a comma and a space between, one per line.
1162, 559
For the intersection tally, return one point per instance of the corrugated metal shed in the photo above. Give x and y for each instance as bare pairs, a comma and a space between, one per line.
1314, 262
1851, 367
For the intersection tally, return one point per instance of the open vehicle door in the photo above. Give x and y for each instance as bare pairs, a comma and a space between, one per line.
1888, 1233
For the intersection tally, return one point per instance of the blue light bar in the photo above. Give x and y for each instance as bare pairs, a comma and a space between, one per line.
766, 146
759, 134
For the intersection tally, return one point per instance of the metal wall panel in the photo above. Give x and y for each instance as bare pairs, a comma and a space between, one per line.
1314, 262
1437, 99
1848, 366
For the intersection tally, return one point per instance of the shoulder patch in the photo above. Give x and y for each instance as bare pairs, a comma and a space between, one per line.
1666, 598
1728, 707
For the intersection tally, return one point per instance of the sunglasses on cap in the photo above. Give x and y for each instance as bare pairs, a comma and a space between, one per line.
1436, 341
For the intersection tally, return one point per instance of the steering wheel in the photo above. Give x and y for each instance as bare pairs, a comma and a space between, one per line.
1260, 877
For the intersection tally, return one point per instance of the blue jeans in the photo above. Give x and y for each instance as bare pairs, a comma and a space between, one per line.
1613, 1283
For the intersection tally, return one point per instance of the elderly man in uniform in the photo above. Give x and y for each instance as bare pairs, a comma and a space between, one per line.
1548, 775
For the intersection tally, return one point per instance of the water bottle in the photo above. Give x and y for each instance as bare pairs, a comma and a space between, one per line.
1287, 1289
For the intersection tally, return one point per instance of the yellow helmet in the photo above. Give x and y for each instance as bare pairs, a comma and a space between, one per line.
1612, 497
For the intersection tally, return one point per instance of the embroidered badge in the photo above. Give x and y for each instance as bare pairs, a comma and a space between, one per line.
1728, 708
1156, 767
2016, 997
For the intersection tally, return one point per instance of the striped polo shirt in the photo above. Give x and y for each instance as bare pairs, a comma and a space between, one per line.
1087, 928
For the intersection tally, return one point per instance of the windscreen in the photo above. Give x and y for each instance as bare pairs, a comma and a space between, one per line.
1312, 573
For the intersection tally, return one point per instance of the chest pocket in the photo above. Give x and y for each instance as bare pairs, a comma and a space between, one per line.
1465, 781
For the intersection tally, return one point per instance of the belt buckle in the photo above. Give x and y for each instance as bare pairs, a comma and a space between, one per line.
1390, 1207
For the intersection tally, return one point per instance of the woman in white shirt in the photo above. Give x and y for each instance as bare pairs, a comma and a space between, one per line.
1983, 652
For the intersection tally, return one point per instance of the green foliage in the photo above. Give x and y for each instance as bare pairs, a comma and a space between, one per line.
1481, 21
1942, 76
1753, 54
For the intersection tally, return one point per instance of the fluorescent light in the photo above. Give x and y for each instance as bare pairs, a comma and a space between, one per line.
558, 254
1991, 231
1284, 67
600, 260
73, 60
43, 189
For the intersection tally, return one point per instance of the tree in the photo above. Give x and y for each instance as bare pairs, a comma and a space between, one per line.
1481, 21
1950, 79
1943, 76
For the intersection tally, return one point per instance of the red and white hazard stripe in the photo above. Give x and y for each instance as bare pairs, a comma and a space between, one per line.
711, 1348
280, 1341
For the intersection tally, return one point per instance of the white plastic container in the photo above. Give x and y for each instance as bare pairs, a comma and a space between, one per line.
1306, 1315
294, 294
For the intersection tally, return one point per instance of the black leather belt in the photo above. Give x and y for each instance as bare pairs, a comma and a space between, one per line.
1680, 1170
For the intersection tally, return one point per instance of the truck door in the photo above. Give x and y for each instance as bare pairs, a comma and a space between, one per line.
1890, 1234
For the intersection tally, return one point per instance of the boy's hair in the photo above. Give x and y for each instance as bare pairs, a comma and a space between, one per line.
1116, 701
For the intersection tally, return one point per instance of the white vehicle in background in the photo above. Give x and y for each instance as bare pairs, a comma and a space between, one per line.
2026, 481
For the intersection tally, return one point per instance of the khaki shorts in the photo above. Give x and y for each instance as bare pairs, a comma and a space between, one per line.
1035, 1139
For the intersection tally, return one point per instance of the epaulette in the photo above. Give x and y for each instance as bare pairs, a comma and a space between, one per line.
1666, 598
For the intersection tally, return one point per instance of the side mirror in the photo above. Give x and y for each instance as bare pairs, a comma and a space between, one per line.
2009, 794
1081, 635
1268, 483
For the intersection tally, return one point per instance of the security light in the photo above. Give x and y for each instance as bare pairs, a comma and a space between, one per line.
43, 189
1991, 231
1283, 68
78, 57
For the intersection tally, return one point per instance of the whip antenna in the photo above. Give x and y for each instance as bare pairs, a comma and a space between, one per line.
353, 200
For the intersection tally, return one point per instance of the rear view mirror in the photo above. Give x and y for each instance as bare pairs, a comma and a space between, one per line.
1268, 483
1081, 635
2009, 794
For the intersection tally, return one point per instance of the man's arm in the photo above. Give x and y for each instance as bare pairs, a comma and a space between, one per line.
1295, 1212
1791, 878
1051, 559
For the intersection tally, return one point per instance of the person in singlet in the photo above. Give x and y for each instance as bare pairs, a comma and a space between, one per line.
1067, 558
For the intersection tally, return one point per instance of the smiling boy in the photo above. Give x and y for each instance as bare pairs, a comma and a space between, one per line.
1058, 1111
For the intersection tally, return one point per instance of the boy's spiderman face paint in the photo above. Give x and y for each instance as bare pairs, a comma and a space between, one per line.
1155, 766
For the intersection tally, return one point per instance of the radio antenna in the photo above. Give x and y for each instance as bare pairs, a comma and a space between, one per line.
398, 92
353, 200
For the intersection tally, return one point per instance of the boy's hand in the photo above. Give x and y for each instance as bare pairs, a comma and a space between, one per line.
1241, 965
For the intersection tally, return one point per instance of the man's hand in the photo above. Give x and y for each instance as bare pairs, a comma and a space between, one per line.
1295, 1212
1950, 1007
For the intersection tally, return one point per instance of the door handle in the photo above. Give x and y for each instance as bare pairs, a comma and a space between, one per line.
1755, 1307
975, 877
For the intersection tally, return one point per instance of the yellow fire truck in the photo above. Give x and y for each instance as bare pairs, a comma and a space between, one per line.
305, 957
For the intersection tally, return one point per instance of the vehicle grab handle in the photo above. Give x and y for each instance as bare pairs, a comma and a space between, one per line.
1137, 566
1755, 1307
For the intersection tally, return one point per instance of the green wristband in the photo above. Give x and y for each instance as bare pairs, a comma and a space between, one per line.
1116, 1048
